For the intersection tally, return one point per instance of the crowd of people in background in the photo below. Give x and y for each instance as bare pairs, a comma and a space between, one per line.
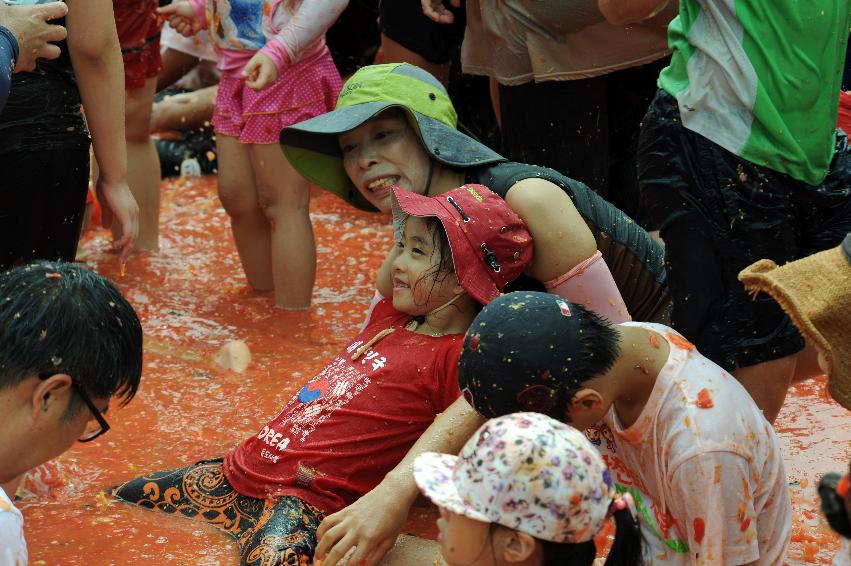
621, 233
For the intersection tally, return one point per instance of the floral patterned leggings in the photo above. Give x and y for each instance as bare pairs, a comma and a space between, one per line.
269, 532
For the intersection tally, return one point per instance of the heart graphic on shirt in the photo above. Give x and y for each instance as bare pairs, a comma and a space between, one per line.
313, 391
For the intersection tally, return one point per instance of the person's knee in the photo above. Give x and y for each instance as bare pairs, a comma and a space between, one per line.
137, 129
138, 104
237, 198
284, 201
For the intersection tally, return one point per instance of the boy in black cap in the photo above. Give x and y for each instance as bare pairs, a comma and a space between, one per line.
678, 432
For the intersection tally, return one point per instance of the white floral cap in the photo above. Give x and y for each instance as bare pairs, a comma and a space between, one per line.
525, 471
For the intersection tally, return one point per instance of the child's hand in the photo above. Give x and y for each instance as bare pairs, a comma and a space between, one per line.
260, 72
182, 18
436, 10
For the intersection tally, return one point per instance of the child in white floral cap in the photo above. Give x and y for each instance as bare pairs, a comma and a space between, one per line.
526, 490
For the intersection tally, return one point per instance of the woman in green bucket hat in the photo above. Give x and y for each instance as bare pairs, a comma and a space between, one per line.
394, 125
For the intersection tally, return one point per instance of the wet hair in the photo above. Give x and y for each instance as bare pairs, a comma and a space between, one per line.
627, 548
597, 351
833, 505
58, 317
440, 245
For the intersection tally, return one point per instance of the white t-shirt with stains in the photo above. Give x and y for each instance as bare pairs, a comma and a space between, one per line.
13, 547
843, 557
710, 464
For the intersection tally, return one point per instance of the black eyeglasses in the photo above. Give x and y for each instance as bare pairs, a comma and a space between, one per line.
93, 430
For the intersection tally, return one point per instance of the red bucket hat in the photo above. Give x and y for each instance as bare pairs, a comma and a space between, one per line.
490, 244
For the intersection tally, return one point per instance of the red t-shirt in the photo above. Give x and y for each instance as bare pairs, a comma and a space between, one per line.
352, 423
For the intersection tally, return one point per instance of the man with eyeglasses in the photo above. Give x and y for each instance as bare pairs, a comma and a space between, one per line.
69, 343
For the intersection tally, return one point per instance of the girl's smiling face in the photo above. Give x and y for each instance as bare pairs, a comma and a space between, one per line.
383, 152
423, 275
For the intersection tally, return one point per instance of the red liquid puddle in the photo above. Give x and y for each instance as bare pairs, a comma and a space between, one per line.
192, 298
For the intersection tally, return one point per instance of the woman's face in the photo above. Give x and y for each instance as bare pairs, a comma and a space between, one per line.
384, 152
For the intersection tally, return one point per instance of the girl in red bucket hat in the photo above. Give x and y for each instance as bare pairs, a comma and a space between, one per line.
355, 420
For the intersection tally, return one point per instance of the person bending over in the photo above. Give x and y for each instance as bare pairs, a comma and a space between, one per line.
680, 434
69, 344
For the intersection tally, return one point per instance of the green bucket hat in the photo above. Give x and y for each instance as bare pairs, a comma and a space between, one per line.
311, 146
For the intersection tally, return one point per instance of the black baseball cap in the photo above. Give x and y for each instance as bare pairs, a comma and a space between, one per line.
526, 351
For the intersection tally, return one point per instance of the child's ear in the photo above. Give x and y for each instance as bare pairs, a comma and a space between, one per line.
519, 547
458, 289
586, 401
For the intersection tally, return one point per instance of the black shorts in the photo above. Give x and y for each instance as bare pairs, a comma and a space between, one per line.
42, 200
586, 129
354, 38
274, 532
403, 21
719, 213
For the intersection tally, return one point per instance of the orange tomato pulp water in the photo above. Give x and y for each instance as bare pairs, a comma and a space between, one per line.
192, 298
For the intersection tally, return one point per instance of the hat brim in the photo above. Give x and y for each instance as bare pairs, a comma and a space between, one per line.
815, 292
433, 474
312, 148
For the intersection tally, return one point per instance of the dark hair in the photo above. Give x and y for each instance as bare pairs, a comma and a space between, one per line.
440, 245
833, 506
597, 351
626, 549
60, 317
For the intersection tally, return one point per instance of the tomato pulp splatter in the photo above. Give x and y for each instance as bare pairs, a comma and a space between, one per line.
192, 300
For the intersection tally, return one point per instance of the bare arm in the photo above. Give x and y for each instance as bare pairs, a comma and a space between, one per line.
96, 57
373, 522
184, 111
175, 65
384, 282
562, 238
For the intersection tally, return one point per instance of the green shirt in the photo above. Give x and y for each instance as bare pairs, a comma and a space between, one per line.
761, 78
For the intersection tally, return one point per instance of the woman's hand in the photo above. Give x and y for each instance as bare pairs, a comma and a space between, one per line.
29, 25
260, 72
119, 206
181, 17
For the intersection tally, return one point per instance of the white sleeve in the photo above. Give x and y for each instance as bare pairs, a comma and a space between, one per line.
13, 547
712, 502
310, 22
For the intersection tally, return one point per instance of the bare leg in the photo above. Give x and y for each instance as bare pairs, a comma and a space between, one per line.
767, 383
284, 197
238, 193
413, 551
807, 366
143, 164
392, 52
